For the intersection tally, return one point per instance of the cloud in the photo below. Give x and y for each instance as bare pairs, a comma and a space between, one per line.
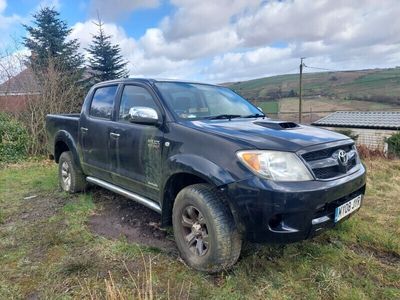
139, 63
84, 31
3, 5
112, 10
154, 43
201, 17
250, 64
6, 21
48, 3
346, 22
8, 27
241, 39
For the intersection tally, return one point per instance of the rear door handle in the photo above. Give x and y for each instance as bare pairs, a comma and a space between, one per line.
84, 129
114, 135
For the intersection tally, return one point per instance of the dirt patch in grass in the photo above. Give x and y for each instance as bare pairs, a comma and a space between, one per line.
34, 225
35, 207
120, 217
385, 257
41, 207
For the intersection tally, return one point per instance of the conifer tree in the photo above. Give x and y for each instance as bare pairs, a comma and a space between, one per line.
48, 42
105, 61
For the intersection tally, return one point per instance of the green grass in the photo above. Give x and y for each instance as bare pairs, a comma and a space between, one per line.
47, 251
380, 86
270, 107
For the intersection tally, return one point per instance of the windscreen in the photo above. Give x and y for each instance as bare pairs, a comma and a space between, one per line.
197, 101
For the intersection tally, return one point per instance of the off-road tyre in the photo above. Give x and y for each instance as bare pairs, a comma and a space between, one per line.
67, 167
224, 240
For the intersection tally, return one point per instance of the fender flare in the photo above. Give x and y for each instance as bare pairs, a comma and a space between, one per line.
198, 166
65, 137
194, 165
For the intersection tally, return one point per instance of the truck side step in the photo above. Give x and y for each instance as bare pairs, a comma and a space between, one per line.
116, 189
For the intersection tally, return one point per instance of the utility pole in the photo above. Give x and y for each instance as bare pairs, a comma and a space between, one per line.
300, 89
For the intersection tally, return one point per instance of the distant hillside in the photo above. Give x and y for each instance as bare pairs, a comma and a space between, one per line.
376, 85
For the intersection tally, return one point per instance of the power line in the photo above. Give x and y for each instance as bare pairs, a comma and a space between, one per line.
335, 70
324, 69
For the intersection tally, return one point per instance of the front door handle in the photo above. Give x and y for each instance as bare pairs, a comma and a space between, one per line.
114, 135
84, 129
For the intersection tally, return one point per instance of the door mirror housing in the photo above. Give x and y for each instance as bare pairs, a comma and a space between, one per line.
143, 115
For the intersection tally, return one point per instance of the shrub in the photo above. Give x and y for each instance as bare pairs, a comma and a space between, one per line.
394, 144
366, 153
348, 132
13, 139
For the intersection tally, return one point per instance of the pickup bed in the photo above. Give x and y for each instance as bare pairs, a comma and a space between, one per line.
211, 163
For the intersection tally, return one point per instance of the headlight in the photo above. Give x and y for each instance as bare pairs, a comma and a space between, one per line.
275, 165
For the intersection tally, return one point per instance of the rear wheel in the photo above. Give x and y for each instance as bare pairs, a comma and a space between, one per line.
71, 177
204, 229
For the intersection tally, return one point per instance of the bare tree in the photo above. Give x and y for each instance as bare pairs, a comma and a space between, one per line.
52, 90
58, 93
11, 62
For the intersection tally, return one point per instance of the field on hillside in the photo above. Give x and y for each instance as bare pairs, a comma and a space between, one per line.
380, 87
324, 104
98, 245
318, 107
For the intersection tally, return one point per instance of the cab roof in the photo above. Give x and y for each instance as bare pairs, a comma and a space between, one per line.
151, 81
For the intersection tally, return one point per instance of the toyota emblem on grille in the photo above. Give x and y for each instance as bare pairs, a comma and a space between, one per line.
342, 157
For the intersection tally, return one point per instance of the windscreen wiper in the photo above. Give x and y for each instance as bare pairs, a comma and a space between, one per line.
223, 116
254, 116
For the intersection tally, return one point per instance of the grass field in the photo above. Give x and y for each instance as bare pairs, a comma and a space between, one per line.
324, 104
318, 107
48, 251
380, 88
341, 84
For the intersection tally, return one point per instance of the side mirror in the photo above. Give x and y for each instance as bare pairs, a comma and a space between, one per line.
143, 115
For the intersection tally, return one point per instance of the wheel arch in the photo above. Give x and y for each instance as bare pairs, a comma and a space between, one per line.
187, 170
65, 142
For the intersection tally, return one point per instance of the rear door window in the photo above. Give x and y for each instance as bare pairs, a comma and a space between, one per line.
103, 102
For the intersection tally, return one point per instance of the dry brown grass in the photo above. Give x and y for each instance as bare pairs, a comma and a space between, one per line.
369, 154
140, 285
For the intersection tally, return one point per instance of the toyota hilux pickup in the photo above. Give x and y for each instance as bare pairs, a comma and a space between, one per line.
212, 164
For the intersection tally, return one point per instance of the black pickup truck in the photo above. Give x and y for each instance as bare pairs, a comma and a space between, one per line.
211, 163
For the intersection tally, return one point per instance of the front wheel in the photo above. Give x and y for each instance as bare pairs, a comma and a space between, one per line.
204, 229
70, 176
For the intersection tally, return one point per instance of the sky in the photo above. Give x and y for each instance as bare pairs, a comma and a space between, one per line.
222, 40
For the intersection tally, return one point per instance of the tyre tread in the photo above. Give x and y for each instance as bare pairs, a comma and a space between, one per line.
78, 180
229, 245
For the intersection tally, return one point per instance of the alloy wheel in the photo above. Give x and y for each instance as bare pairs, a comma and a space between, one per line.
195, 230
66, 175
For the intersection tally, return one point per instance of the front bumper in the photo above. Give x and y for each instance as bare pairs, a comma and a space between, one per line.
284, 212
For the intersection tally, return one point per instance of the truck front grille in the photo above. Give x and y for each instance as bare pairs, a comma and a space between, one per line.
326, 164
325, 153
